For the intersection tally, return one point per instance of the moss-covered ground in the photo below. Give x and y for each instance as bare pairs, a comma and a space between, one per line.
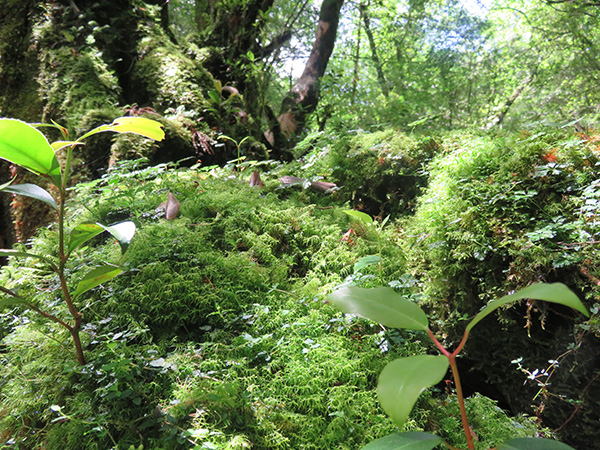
217, 335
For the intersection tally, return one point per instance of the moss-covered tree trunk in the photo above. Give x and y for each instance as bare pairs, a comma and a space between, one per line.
84, 63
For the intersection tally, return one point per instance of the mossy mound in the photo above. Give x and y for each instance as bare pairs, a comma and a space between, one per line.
216, 335
380, 173
500, 213
215, 306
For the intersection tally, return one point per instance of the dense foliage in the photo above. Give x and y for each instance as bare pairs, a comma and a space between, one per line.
467, 131
217, 334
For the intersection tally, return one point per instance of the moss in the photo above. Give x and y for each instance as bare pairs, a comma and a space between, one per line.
217, 334
379, 173
170, 78
73, 82
18, 90
491, 425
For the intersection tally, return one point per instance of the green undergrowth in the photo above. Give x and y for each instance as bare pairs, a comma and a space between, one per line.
379, 173
216, 336
499, 213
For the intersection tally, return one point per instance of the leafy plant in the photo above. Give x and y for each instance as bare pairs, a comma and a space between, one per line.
237, 145
366, 220
24, 145
402, 381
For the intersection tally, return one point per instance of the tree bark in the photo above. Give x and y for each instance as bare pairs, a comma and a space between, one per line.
303, 98
18, 62
498, 118
356, 59
383, 83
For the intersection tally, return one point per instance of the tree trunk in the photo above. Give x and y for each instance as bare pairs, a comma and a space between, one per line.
383, 83
303, 98
498, 118
356, 60
18, 62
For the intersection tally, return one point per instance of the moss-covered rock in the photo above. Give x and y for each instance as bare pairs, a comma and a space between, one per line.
500, 213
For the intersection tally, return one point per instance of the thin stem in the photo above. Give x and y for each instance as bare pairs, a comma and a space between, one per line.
459, 393
438, 344
380, 267
63, 257
49, 316
461, 345
461, 402
8, 291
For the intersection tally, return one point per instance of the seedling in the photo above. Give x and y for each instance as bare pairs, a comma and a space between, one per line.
25, 146
238, 145
402, 381
369, 223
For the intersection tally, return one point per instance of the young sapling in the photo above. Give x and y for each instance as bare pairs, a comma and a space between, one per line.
24, 145
402, 381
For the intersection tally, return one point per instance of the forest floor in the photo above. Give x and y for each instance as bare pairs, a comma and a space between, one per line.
218, 334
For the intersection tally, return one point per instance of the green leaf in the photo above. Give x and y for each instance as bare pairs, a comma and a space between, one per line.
7, 184
123, 232
96, 277
137, 125
402, 381
12, 301
33, 191
25, 146
58, 145
554, 292
365, 261
382, 305
214, 96
359, 215
60, 128
83, 233
411, 440
533, 444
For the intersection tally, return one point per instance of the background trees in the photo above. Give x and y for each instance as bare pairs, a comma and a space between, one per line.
408, 63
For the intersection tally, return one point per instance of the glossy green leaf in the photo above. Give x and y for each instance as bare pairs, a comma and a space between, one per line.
554, 292
382, 305
137, 125
366, 261
96, 277
25, 146
58, 145
359, 215
123, 232
533, 444
55, 125
411, 440
33, 191
402, 381
83, 233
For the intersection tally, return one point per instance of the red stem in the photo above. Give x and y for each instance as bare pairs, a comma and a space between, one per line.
459, 394
461, 403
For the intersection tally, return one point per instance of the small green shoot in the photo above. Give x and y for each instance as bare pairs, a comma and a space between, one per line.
24, 145
367, 220
402, 381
